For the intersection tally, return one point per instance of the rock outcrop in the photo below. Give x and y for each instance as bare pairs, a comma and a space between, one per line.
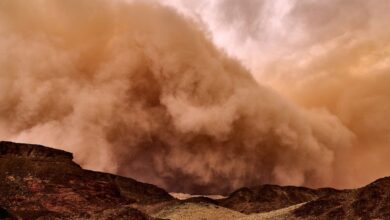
41, 182
369, 202
4, 214
38, 182
266, 198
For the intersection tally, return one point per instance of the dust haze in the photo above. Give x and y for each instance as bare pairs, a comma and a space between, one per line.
140, 89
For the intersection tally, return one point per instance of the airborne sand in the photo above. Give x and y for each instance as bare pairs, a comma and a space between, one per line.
143, 92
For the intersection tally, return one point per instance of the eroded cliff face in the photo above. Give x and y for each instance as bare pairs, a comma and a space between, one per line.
31, 151
36, 181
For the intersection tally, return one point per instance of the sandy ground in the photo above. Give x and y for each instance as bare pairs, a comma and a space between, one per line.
280, 214
203, 211
183, 196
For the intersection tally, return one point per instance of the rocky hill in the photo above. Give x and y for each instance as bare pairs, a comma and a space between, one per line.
369, 202
266, 198
38, 182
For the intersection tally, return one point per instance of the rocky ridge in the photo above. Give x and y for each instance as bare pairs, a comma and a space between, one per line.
38, 182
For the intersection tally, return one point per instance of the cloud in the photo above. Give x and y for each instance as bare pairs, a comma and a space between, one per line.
140, 90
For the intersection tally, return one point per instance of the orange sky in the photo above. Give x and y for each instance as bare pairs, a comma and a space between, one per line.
222, 95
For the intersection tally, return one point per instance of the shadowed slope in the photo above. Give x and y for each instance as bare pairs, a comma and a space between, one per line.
37, 181
369, 202
266, 198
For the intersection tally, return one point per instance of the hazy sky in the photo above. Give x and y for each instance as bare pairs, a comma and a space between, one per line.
202, 96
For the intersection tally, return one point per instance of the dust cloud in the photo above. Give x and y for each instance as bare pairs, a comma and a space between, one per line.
137, 89
331, 55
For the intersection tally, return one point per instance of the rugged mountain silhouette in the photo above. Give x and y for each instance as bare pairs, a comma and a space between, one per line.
266, 198
369, 202
38, 182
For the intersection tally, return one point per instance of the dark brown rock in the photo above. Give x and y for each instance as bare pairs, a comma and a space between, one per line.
369, 202
270, 197
4, 214
40, 182
9, 149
